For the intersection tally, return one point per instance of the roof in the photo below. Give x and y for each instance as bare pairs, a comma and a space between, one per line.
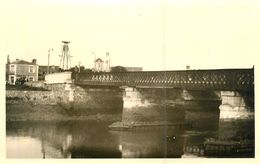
22, 62
98, 60
134, 68
51, 66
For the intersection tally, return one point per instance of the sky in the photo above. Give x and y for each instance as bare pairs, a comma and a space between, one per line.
153, 34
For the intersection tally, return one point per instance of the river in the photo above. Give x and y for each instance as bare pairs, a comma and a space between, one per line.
93, 139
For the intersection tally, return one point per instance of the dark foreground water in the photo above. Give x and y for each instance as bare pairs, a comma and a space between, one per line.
90, 139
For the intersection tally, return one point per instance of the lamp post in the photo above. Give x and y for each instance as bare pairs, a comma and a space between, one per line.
49, 51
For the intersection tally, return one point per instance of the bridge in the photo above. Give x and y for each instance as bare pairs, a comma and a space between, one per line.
218, 79
163, 97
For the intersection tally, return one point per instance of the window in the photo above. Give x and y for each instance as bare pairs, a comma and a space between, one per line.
31, 69
12, 80
12, 68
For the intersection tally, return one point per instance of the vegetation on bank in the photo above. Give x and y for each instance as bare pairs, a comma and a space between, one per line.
23, 88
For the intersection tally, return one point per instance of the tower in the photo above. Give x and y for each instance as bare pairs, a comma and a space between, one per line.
107, 62
8, 59
65, 56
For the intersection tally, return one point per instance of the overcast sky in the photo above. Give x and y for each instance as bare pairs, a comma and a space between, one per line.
155, 35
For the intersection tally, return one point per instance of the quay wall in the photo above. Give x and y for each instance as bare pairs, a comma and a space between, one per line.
78, 100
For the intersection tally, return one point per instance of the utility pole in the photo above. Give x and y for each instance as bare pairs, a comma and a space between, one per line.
48, 69
95, 58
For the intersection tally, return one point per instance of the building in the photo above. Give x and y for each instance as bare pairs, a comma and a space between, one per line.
134, 69
20, 70
43, 70
107, 63
187, 67
102, 66
98, 65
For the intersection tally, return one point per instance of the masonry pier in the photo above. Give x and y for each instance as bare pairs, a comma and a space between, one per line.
82, 100
168, 106
236, 113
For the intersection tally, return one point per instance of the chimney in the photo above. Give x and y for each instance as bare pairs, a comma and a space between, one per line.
34, 61
8, 59
187, 67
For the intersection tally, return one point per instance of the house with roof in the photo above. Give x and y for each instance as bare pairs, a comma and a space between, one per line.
21, 70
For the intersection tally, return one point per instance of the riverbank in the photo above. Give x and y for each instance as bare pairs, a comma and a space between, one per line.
29, 112
62, 102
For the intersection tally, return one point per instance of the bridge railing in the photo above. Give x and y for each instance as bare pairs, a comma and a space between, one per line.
221, 79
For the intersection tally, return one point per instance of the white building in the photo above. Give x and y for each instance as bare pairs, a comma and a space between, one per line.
102, 66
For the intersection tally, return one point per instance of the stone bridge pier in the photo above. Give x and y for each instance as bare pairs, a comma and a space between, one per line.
236, 105
236, 118
204, 109
167, 106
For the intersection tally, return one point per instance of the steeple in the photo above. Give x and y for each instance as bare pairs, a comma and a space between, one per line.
8, 59
107, 62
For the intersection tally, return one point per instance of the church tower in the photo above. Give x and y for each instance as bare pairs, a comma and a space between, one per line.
107, 62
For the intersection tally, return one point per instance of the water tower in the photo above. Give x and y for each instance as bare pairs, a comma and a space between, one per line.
65, 62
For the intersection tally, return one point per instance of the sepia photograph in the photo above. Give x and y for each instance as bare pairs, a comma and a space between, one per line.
129, 79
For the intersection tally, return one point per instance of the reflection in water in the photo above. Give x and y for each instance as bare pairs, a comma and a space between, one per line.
63, 139
23, 147
90, 139
151, 142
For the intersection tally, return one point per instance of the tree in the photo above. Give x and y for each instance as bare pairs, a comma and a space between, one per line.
118, 69
87, 70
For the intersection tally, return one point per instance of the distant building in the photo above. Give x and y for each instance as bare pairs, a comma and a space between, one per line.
133, 69
98, 67
126, 69
107, 63
102, 66
21, 70
43, 70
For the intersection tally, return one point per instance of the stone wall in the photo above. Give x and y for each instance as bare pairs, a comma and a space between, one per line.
37, 84
97, 100
33, 97
83, 100
74, 99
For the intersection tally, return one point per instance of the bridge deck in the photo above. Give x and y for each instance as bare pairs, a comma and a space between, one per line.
219, 79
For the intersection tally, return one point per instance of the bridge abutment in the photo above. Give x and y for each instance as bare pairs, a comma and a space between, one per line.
97, 100
78, 100
236, 105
